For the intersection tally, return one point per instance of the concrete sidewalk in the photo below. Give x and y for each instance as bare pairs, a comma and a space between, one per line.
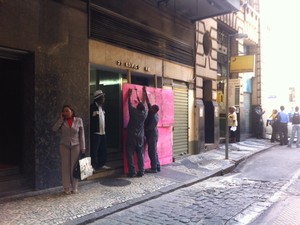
107, 195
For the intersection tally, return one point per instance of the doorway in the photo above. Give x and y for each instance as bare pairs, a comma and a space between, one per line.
17, 161
110, 83
12, 113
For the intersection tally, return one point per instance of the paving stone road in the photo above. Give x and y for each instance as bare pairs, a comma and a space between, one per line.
219, 200
98, 198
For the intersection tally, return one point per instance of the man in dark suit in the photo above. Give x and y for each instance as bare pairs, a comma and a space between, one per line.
135, 136
151, 134
97, 131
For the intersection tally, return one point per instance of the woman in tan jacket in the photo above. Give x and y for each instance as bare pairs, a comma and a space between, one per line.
72, 142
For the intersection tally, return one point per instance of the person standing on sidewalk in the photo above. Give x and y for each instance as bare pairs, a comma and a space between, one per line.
283, 130
274, 122
232, 124
72, 142
259, 123
97, 131
295, 128
151, 134
135, 136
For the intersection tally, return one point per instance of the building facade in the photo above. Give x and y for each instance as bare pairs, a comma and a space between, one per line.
216, 44
60, 51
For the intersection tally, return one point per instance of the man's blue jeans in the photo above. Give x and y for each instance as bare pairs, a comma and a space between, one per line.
295, 128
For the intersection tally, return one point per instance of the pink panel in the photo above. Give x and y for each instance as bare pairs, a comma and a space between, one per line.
165, 100
162, 97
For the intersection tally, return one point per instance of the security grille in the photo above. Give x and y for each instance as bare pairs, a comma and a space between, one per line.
247, 105
127, 34
180, 133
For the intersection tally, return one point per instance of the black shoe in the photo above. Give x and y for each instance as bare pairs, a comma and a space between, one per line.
158, 169
150, 171
140, 174
131, 175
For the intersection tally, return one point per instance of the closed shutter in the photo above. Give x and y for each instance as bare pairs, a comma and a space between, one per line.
180, 133
247, 105
121, 31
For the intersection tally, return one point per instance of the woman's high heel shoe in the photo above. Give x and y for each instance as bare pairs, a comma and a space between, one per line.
67, 191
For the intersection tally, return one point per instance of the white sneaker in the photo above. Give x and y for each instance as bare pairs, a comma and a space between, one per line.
105, 167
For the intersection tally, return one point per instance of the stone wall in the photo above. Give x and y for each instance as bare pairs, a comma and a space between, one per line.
55, 34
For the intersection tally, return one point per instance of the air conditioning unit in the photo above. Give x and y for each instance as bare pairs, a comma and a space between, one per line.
222, 49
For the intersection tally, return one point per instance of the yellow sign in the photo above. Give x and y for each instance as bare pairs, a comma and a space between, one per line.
242, 64
220, 97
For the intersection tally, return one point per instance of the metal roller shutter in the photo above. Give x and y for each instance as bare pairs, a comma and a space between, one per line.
247, 105
123, 32
180, 133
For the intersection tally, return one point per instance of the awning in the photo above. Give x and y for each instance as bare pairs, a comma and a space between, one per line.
197, 9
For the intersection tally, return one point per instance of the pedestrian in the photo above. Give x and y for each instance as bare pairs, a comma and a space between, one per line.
72, 143
259, 123
135, 136
274, 122
283, 130
97, 131
151, 134
295, 127
232, 124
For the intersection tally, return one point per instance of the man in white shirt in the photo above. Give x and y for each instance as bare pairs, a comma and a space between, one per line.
97, 131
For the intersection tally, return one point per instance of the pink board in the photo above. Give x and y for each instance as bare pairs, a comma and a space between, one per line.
165, 100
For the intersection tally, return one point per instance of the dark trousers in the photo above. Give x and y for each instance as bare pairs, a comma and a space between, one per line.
283, 133
98, 150
274, 132
135, 144
259, 129
152, 152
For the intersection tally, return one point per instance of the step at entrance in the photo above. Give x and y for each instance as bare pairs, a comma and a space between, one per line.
8, 170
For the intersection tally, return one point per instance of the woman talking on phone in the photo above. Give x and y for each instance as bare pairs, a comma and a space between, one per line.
72, 142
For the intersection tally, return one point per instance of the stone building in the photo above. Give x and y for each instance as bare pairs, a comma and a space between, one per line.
216, 42
54, 52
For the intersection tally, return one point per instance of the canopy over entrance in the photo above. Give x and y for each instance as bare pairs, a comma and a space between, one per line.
197, 9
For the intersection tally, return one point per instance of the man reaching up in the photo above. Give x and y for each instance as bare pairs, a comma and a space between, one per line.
151, 134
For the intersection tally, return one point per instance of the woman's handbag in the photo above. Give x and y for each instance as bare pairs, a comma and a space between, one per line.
86, 169
83, 167
76, 170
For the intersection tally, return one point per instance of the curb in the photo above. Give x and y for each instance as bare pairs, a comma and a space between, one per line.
119, 207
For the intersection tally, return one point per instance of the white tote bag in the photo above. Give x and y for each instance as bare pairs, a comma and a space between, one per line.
86, 169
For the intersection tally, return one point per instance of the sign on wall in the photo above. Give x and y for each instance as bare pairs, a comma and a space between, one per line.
242, 64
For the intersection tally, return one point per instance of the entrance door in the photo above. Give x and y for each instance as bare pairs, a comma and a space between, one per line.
11, 114
17, 149
110, 83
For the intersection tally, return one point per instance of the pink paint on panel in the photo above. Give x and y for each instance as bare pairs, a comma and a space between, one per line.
165, 100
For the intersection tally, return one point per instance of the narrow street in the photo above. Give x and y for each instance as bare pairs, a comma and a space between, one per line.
237, 198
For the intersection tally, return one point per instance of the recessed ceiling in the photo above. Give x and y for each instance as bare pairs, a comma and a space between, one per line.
197, 9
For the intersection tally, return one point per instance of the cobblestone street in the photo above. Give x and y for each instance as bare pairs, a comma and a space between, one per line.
218, 200
180, 194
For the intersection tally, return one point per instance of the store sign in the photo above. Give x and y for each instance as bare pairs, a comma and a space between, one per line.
242, 64
131, 65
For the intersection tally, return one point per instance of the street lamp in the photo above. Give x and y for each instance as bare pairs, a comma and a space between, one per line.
236, 36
